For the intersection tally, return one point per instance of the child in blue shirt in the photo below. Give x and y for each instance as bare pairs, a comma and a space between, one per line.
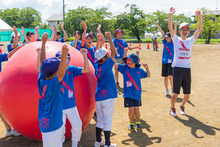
132, 75
50, 109
58, 35
167, 58
69, 105
15, 38
77, 42
120, 45
106, 92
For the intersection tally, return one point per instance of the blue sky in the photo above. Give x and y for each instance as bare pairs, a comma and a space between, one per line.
49, 7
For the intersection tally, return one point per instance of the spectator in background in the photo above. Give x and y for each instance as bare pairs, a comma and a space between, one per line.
154, 41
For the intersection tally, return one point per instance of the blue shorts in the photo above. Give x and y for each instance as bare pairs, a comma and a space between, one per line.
128, 102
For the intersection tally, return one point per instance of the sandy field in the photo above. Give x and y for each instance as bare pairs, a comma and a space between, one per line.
199, 128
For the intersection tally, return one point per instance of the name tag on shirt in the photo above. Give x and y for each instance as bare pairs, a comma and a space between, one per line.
70, 93
118, 55
128, 83
169, 60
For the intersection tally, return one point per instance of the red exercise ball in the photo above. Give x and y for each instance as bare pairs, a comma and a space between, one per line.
19, 94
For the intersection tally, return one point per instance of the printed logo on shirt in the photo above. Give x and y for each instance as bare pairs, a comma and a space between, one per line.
128, 83
69, 72
118, 55
44, 123
132, 80
70, 93
184, 53
169, 60
103, 93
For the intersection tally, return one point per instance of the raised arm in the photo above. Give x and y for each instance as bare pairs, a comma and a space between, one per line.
43, 52
38, 59
25, 37
64, 32
37, 33
170, 26
54, 33
131, 48
102, 36
84, 33
76, 40
112, 46
86, 62
98, 41
199, 29
15, 42
175, 27
62, 68
147, 69
159, 28
11, 53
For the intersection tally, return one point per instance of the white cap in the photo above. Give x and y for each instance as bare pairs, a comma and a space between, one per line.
183, 25
100, 53
13, 34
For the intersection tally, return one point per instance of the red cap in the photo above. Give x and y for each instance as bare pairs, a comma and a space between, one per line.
118, 30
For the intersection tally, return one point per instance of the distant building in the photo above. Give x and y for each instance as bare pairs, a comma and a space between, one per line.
55, 19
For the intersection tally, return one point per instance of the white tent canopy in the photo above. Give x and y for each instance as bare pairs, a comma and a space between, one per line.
4, 26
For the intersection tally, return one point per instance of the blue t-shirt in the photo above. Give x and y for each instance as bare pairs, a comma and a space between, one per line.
121, 45
106, 86
91, 54
68, 86
78, 44
9, 47
50, 108
60, 40
3, 57
168, 52
132, 81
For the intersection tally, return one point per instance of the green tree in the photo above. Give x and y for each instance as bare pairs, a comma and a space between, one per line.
134, 21
211, 24
29, 18
162, 18
91, 17
11, 16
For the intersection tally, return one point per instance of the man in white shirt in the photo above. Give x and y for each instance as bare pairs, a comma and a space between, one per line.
154, 41
182, 60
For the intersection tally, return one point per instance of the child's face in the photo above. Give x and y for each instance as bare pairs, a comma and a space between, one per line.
168, 39
130, 63
19, 37
88, 42
58, 37
184, 32
118, 35
67, 61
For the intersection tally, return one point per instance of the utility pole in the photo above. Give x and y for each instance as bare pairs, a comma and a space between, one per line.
63, 11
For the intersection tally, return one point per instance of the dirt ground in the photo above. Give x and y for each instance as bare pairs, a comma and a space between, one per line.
200, 127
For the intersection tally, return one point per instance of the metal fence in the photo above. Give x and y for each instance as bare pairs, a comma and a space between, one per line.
6, 36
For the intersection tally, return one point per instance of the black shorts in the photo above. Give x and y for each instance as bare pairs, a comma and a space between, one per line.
128, 102
167, 70
182, 78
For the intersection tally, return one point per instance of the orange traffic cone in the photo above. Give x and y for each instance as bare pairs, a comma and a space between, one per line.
157, 45
130, 44
92, 45
106, 46
0, 50
148, 47
139, 46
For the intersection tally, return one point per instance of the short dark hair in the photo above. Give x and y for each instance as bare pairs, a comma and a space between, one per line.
29, 33
58, 33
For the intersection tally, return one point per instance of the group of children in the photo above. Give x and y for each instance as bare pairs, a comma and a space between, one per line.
56, 87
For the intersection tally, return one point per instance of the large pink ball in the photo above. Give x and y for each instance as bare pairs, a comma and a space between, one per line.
19, 94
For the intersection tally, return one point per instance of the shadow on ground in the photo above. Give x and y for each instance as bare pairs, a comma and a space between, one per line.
195, 125
139, 138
